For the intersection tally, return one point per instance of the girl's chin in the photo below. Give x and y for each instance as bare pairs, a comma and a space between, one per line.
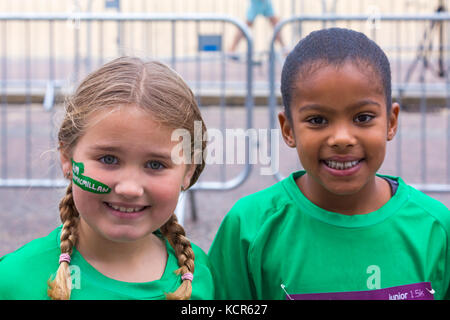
125, 234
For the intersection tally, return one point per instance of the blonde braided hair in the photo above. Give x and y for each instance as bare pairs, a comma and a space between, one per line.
60, 287
183, 250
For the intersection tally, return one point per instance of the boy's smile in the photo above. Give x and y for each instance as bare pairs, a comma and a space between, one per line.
339, 127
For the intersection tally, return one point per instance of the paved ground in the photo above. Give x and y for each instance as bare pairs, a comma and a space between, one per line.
29, 213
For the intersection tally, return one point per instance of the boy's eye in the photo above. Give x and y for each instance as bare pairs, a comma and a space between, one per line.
317, 120
362, 118
154, 165
108, 159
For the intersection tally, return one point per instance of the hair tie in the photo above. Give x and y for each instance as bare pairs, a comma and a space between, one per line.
187, 276
64, 257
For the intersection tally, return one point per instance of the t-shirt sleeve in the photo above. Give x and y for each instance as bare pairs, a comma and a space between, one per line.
229, 259
447, 262
442, 214
5, 279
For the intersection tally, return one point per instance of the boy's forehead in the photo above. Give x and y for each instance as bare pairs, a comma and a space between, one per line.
321, 75
343, 85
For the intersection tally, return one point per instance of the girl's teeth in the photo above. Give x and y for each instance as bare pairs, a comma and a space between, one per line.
341, 165
123, 209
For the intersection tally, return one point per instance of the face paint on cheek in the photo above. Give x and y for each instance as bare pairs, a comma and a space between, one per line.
86, 183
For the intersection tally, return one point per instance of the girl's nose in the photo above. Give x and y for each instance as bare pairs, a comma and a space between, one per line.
129, 188
341, 137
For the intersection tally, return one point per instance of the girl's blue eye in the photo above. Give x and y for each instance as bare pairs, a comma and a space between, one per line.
108, 159
362, 118
155, 165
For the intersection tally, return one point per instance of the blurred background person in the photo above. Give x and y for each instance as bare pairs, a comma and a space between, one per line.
259, 7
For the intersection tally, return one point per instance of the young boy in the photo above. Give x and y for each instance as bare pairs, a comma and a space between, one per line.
336, 230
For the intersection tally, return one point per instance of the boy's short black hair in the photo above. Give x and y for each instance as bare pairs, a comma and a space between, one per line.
334, 46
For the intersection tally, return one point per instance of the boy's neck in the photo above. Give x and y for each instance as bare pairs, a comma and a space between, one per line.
370, 198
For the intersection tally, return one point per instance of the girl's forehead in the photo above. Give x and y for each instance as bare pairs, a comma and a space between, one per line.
120, 113
125, 124
125, 128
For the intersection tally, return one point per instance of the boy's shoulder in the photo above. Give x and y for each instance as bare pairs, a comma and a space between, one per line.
430, 206
257, 207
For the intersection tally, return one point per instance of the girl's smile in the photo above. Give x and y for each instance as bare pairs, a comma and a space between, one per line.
126, 211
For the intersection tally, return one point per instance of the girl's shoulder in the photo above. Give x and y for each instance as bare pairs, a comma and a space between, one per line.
35, 249
24, 270
201, 258
200, 255
203, 284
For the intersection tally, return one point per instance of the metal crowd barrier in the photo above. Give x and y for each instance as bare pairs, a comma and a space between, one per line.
89, 40
418, 49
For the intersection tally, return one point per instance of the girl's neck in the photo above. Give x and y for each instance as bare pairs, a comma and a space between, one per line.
370, 198
142, 260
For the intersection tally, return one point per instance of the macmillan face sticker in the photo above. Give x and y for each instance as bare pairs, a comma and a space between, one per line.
86, 183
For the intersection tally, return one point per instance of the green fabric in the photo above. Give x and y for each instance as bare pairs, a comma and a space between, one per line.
24, 274
277, 236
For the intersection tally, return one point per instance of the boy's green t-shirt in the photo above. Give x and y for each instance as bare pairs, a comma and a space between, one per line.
24, 274
276, 244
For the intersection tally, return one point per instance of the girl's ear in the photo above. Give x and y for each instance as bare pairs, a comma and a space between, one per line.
66, 163
190, 169
286, 129
393, 121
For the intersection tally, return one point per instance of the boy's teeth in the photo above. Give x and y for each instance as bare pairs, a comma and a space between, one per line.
341, 165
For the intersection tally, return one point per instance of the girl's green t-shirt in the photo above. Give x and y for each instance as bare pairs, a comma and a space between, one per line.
24, 274
276, 244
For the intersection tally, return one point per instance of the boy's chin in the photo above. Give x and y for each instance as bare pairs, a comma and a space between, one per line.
349, 189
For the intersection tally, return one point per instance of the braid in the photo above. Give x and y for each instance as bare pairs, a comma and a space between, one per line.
183, 250
60, 287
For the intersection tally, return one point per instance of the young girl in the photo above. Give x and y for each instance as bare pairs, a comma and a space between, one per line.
337, 229
119, 238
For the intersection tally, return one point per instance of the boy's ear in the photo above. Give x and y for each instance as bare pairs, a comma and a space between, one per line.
66, 163
286, 129
393, 121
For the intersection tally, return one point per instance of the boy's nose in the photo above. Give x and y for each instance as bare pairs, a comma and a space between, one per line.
341, 137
